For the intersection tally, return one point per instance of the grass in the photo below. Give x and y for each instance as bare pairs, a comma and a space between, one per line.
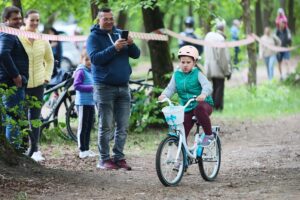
270, 99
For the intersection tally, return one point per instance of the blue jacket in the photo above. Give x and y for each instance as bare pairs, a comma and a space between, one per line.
83, 84
108, 65
13, 59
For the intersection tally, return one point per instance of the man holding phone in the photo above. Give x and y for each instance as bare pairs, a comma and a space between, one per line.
109, 49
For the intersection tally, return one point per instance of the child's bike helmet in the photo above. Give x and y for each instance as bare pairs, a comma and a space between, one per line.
188, 50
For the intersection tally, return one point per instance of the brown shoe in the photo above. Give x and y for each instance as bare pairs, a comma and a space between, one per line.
122, 164
107, 165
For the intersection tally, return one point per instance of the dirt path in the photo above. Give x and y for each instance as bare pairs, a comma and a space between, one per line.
261, 160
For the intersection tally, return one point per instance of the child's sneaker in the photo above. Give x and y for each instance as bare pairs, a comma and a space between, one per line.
91, 153
83, 154
37, 156
207, 140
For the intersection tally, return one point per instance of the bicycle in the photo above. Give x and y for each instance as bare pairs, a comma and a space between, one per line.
56, 113
72, 115
174, 156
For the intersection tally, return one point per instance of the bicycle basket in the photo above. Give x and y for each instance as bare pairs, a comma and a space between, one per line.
174, 114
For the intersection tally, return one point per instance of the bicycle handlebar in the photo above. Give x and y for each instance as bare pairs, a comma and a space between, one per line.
171, 104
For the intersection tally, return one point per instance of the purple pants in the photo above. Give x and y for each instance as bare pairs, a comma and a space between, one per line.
202, 113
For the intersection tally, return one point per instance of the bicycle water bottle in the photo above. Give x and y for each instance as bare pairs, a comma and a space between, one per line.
199, 147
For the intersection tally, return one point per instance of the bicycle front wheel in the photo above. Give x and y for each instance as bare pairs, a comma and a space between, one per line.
210, 161
169, 168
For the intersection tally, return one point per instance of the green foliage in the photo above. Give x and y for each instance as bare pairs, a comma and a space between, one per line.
271, 99
145, 111
21, 196
294, 78
21, 113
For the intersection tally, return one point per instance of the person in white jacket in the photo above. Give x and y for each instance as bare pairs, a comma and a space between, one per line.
217, 64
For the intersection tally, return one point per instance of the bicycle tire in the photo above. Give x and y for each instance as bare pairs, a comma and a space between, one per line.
71, 115
175, 168
207, 158
66, 101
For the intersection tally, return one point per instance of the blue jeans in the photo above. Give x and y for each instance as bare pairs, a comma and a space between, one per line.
12, 101
270, 61
113, 103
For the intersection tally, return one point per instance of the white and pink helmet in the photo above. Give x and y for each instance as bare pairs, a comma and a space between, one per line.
188, 50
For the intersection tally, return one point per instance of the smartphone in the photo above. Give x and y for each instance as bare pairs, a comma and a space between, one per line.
124, 34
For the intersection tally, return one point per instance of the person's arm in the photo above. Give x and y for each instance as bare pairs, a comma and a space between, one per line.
205, 84
97, 54
49, 62
133, 51
171, 88
7, 43
78, 82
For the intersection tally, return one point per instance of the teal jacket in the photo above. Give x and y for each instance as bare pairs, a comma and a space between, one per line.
188, 85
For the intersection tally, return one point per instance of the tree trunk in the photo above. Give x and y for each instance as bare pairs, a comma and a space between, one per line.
94, 10
159, 50
18, 4
50, 21
171, 26
122, 19
190, 9
208, 20
258, 18
282, 4
291, 16
7, 152
267, 13
251, 48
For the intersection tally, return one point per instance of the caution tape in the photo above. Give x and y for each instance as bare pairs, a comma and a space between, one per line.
33, 35
246, 41
158, 35
227, 44
272, 47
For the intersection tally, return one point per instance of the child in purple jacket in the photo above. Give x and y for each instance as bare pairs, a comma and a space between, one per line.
83, 84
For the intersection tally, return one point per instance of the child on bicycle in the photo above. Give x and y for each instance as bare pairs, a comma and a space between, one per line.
83, 84
189, 81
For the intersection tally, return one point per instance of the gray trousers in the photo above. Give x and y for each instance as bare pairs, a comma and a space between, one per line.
113, 103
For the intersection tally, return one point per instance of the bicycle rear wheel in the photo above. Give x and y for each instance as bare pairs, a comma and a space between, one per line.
169, 169
210, 161
72, 121
60, 113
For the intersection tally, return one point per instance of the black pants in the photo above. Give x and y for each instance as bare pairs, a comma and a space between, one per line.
86, 120
34, 114
218, 93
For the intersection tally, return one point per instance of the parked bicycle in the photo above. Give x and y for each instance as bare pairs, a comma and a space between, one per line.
174, 156
72, 115
55, 112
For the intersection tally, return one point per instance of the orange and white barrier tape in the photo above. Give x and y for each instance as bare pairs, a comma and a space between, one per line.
33, 35
272, 47
250, 39
159, 35
246, 41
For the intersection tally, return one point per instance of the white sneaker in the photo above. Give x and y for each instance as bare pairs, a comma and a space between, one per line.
37, 156
91, 153
83, 154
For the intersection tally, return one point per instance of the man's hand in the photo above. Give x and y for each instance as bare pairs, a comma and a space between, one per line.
161, 97
120, 43
201, 97
228, 77
130, 40
18, 81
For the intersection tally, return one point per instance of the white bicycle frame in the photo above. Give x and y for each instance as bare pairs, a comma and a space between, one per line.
190, 151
